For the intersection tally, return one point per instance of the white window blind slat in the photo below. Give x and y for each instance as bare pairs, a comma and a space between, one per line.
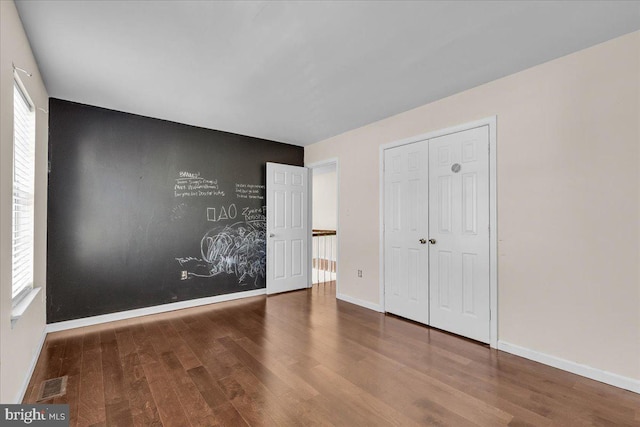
18, 254
19, 247
23, 273
21, 203
23, 192
19, 210
22, 168
18, 227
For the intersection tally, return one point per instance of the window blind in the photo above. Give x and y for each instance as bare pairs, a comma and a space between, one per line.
23, 189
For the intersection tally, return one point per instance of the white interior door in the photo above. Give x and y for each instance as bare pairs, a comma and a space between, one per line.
405, 233
459, 233
288, 231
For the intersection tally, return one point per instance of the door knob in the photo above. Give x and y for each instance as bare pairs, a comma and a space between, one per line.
432, 241
422, 241
272, 235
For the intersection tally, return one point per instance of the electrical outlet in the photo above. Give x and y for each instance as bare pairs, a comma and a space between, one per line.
359, 273
184, 275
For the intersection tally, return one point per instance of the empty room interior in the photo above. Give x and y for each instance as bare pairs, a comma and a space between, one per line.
220, 213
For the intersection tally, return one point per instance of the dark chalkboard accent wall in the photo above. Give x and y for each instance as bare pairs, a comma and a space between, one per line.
145, 212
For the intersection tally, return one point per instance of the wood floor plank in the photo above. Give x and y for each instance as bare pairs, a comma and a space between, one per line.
364, 400
91, 403
144, 346
214, 357
502, 397
179, 347
169, 407
455, 400
229, 416
141, 403
268, 403
198, 412
321, 344
304, 358
224, 412
605, 392
117, 409
249, 409
309, 413
126, 344
118, 414
302, 388
264, 373
207, 386
112, 377
72, 360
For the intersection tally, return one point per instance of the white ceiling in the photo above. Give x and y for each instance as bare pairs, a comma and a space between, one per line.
298, 72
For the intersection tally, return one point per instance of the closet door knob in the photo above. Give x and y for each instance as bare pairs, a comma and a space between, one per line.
423, 241
432, 241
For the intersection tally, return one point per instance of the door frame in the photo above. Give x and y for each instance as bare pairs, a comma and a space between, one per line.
491, 122
311, 166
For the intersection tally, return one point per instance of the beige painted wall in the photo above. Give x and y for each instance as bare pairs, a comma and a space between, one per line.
325, 199
568, 149
20, 344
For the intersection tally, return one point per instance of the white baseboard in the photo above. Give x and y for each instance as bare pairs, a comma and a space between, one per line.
573, 367
32, 368
121, 315
361, 303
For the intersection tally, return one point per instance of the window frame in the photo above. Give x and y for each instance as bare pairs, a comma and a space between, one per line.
30, 119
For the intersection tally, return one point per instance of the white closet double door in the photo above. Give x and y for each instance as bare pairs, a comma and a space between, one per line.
436, 232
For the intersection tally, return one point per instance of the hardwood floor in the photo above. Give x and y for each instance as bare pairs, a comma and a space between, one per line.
303, 358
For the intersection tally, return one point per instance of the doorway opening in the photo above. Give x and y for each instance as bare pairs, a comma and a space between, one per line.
324, 247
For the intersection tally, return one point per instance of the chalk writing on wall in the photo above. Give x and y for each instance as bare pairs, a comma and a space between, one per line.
250, 191
192, 184
255, 214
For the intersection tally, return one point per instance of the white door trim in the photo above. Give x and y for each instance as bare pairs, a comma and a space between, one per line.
493, 215
318, 164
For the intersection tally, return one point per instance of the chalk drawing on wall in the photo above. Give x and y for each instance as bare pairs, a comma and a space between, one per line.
178, 212
238, 249
222, 213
